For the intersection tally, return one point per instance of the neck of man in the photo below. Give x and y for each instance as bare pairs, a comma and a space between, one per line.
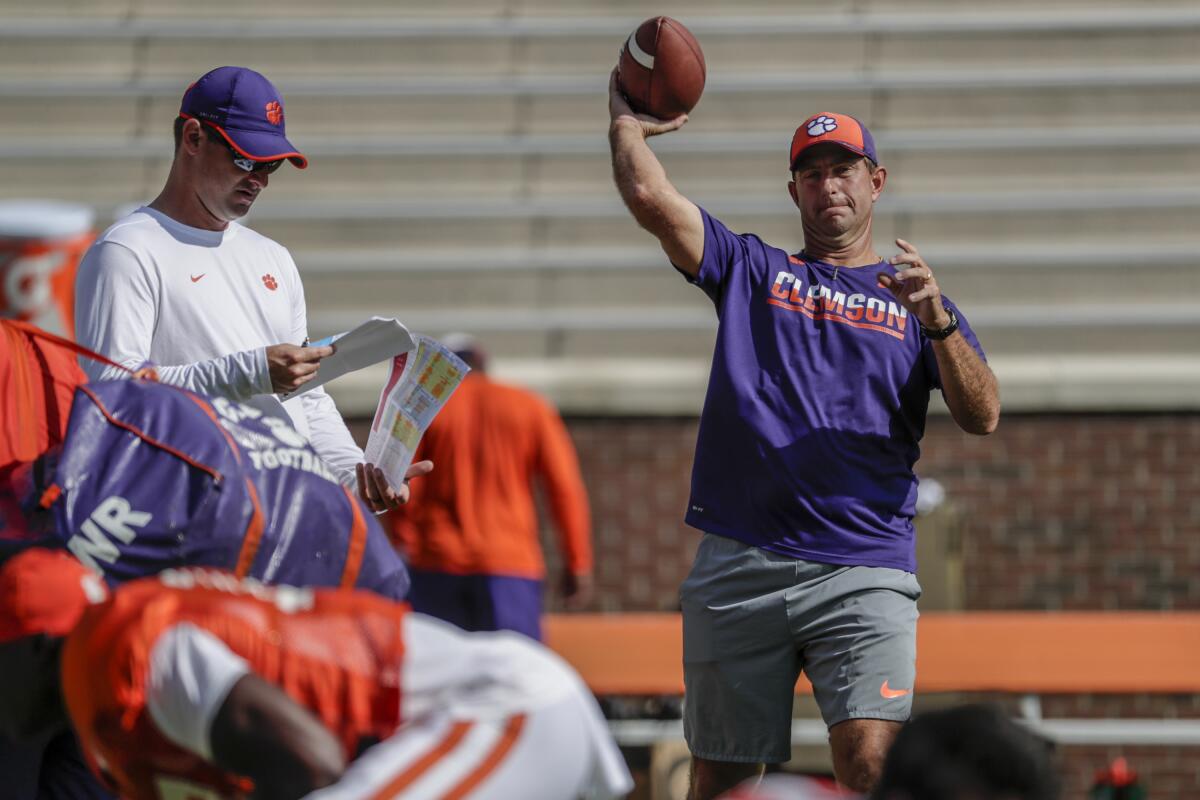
852, 249
180, 201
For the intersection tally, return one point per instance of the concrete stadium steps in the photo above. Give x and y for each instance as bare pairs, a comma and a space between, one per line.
1171, 97
276, 10
273, 10
917, 99
1119, 331
110, 173
1043, 156
400, 51
1162, 215
556, 18
567, 279
647, 385
648, 288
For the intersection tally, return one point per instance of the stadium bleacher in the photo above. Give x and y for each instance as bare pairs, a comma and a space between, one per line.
1044, 156
460, 171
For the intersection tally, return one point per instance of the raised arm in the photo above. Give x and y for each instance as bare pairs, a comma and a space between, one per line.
654, 202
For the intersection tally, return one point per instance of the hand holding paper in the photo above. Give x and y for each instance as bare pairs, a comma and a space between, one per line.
291, 367
422, 376
377, 339
378, 493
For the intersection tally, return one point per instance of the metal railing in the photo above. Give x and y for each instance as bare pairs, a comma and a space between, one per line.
1160, 732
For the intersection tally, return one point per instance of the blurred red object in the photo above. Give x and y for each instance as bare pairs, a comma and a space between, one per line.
1117, 774
41, 244
38, 376
788, 787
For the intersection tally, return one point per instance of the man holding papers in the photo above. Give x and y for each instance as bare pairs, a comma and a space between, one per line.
218, 307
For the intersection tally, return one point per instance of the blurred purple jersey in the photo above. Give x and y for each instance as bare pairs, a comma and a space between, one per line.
153, 476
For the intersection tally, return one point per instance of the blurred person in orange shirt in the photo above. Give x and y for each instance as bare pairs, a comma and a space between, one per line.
471, 532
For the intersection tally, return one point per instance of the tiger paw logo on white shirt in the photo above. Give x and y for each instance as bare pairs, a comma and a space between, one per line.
822, 125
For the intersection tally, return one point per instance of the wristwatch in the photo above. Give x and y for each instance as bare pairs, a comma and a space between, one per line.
942, 333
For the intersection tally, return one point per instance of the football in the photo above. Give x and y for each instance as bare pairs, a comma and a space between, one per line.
661, 69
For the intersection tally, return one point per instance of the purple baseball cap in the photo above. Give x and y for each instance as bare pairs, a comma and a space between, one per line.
246, 109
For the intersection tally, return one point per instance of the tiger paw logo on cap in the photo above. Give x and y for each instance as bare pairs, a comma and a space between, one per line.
819, 126
274, 112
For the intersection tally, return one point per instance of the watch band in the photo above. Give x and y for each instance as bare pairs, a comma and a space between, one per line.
945, 332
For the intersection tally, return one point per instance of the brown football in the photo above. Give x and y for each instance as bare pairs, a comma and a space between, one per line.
661, 70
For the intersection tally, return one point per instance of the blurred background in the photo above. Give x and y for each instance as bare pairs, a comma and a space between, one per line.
1044, 156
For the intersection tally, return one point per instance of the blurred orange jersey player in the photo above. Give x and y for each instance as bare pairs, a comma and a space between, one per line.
195, 684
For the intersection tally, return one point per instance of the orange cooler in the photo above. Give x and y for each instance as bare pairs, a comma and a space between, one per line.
41, 243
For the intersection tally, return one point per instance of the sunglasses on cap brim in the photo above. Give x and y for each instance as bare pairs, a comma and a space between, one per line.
242, 162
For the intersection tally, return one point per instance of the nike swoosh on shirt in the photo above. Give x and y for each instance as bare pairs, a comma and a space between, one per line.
198, 277
891, 694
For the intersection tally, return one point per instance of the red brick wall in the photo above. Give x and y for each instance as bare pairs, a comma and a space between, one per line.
1076, 512
1168, 773
638, 472
1058, 512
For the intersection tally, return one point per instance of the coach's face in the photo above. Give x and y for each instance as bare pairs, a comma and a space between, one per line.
226, 190
835, 191
223, 189
30, 700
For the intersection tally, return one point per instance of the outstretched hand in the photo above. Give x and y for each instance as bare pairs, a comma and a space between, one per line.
619, 109
915, 287
376, 492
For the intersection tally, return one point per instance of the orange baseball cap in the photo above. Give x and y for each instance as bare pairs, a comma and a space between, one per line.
45, 592
840, 129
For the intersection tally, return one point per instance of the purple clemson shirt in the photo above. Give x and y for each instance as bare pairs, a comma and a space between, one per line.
816, 403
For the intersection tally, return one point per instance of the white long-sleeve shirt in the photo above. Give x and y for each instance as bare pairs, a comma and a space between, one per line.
203, 306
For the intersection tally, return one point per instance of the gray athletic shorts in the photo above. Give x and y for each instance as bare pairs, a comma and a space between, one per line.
753, 619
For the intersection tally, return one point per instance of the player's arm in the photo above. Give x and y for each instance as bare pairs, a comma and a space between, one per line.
654, 202
263, 734
558, 464
204, 697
